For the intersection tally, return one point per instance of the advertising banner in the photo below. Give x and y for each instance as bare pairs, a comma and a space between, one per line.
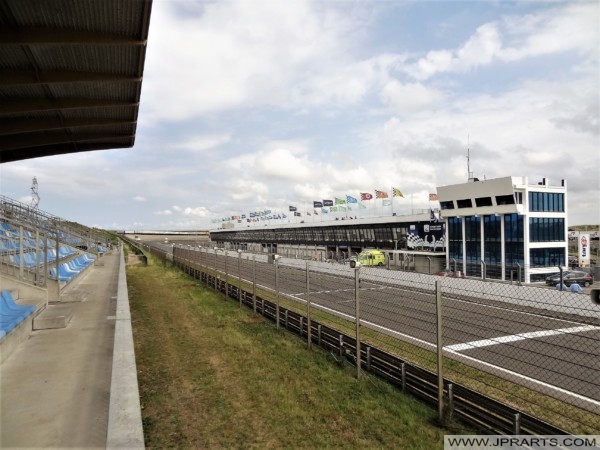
584, 250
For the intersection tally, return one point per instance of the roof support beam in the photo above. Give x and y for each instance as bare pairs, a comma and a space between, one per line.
31, 77
58, 36
41, 139
25, 105
18, 126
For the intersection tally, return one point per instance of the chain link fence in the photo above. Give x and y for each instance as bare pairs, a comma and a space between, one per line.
531, 348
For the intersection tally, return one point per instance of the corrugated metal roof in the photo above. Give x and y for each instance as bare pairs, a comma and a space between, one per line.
70, 75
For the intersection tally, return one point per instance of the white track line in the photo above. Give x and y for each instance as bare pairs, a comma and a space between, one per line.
518, 337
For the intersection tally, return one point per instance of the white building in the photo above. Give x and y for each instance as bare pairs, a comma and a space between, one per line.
506, 228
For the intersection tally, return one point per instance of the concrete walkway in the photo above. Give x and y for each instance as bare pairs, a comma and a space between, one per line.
55, 388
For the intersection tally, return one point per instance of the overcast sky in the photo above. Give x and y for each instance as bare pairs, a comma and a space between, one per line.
253, 105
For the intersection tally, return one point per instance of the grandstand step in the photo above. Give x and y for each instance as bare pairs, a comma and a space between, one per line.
54, 316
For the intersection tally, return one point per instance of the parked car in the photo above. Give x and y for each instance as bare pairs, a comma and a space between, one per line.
581, 277
450, 273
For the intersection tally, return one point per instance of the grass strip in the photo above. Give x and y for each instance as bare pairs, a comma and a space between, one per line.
211, 375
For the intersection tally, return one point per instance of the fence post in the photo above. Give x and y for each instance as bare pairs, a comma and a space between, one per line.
309, 337
357, 317
276, 257
429, 261
240, 275
483, 269
254, 283
440, 351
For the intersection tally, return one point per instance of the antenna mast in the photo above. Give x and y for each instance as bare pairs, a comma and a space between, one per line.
35, 197
469, 173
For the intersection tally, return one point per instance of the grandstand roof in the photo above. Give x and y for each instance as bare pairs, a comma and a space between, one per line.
70, 75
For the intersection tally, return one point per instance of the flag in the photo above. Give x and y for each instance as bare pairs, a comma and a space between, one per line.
365, 196
433, 197
334, 209
327, 202
362, 205
293, 208
351, 199
297, 214
340, 201
307, 213
387, 203
433, 217
381, 194
396, 192
316, 213
325, 211
317, 204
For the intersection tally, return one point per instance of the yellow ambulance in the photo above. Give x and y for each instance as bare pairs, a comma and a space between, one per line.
372, 258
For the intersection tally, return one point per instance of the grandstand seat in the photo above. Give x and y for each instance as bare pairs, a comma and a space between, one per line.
11, 313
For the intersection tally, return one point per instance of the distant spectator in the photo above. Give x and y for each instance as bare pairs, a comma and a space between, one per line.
560, 287
576, 288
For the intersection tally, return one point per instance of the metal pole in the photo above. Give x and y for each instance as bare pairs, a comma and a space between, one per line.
277, 290
308, 304
226, 275
357, 316
438, 307
240, 276
254, 283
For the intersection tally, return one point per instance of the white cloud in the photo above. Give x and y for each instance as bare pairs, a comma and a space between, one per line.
201, 143
139, 198
409, 97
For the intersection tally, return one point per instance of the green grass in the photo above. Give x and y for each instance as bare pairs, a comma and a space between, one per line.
212, 375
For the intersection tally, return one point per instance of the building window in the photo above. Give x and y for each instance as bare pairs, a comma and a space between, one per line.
546, 229
447, 205
483, 201
505, 200
455, 240
473, 245
546, 202
464, 203
513, 245
547, 257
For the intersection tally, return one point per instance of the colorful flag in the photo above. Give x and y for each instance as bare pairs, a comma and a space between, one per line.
317, 204
325, 211
387, 203
351, 199
327, 202
365, 196
396, 192
433, 197
340, 201
380, 194
334, 209
293, 208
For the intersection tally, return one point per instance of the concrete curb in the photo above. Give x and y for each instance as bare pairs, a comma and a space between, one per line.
124, 417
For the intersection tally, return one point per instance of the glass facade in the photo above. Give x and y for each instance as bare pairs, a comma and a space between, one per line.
473, 245
514, 246
546, 202
546, 229
492, 245
455, 248
547, 257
